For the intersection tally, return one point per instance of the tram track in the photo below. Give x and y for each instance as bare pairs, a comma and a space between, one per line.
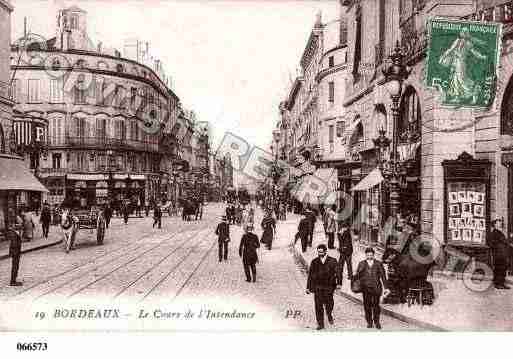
118, 253
133, 257
180, 246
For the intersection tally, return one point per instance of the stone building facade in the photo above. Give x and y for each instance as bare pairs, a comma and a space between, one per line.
428, 133
88, 120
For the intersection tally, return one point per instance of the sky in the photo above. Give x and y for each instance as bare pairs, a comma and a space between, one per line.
232, 62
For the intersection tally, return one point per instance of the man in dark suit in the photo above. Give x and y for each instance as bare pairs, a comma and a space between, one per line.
248, 251
345, 248
311, 216
372, 276
45, 219
14, 233
500, 251
303, 231
322, 281
223, 237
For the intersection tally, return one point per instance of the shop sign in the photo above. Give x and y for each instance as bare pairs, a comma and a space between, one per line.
101, 192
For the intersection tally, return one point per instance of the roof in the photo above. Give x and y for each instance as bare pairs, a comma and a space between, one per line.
16, 177
75, 9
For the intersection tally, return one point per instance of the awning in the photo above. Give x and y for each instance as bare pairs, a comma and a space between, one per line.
348, 132
372, 179
14, 176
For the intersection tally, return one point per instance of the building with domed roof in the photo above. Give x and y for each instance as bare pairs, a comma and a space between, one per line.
89, 120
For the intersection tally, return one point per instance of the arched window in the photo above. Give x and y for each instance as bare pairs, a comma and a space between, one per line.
507, 111
408, 127
2, 140
120, 68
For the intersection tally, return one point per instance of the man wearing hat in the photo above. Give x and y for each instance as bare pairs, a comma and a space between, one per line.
345, 248
371, 274
248, 251
500, 250
223, 234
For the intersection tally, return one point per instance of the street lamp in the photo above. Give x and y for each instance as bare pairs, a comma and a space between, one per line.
394, 74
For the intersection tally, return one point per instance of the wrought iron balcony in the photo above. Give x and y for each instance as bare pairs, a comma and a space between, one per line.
499, 13
102, 142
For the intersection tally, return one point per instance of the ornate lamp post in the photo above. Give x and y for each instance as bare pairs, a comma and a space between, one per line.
395, 74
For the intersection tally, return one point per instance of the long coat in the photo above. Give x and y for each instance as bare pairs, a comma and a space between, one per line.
499, 245
247, 248
371, 277
322, 277
269, 226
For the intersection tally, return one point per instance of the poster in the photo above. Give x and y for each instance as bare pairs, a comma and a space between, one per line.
466, 211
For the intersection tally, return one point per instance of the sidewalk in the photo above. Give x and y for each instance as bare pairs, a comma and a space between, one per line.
38, 242
455, 307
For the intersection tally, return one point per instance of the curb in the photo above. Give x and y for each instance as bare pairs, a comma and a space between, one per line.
35, 248
403, 318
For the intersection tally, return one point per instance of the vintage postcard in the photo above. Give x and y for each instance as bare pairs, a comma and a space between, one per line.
273, 166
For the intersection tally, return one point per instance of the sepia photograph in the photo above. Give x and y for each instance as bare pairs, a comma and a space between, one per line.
215, 166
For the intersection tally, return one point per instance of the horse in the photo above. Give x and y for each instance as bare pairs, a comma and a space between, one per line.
69, 229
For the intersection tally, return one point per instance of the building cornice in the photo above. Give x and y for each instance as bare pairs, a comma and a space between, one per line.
338, 47
96, 71
106, 56
358, 96
330, 70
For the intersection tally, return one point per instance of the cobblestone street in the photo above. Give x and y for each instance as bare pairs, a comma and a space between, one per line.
167, 271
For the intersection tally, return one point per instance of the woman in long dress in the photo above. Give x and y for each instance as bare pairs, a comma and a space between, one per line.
269, 227
461, 86
28, 225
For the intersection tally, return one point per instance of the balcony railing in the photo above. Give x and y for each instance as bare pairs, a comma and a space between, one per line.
499, 13
103, 142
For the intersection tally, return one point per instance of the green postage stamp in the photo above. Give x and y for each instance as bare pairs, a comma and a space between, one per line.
462, 61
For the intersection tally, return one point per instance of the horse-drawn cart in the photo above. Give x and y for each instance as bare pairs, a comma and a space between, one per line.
82, 219
92, 220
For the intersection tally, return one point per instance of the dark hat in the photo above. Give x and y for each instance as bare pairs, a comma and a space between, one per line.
369, 250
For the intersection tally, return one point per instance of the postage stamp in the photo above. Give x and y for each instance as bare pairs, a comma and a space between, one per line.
462, 61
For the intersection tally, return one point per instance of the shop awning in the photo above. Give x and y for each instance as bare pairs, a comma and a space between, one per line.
372, 179
14, 176
348, 132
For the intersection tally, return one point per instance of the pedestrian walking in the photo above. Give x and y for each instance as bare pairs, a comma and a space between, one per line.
322, 282
500, 251
303, 231
311, 217
157, 217
371, 274
345, 248
223, 238
269, 226
125, 211
15, 233
107, 214
28, 224
331, 226
45, 219
248, 251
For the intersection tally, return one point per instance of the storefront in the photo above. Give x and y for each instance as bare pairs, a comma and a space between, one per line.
14, 179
